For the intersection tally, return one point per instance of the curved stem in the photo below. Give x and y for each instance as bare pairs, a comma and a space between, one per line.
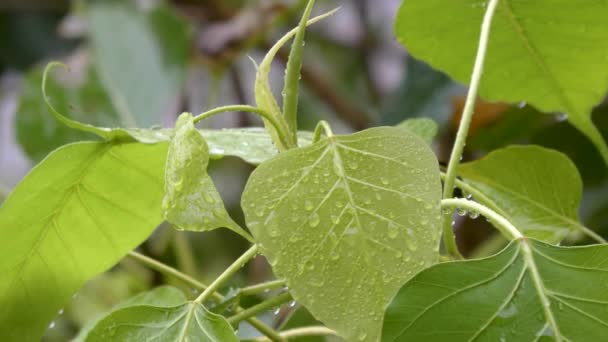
305, 331
244, 108
463, 129
498, 221
231, 270
262, 307
255, 289
322, 126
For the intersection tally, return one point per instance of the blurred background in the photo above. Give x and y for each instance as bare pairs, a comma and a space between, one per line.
141, 63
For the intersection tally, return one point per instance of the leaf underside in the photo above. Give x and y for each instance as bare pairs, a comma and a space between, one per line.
501, 297
346, 221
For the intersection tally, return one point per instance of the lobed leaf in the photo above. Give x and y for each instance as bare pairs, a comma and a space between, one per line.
346, 221
537, 189
191, 200
534, 52
187, 322
530, 291
73, 216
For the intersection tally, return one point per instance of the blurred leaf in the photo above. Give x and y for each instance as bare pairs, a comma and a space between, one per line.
424, 92
425, 128
537, 189
191, 200
547, 37
162, 296
141, 58
528, 292
93, 203
188, 322
39, 132
343, 212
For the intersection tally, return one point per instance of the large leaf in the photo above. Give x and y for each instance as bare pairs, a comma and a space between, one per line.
38, 131
162, 296
143, 66
75, 215
534, 52
537, 189
191, 200
529, 292
346, 221
188, 322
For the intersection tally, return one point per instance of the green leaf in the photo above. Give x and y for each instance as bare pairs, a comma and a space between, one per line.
534, 52
143, 67
73, 216
346, 221
529, 292
188, 322
425, 128
537, 189
191, 200
162, 296
86, 101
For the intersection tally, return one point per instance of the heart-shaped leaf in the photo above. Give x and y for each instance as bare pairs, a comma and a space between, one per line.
346, 221
534, 52
73, 216
530, 291
191, 200
537, 189
188, 322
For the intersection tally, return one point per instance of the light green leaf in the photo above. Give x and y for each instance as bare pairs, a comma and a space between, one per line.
537, 189
73, 216
85, 101
529, 292
425, 128
188, 322
346, 221
143, 67
534, 52
191, 200
162, 296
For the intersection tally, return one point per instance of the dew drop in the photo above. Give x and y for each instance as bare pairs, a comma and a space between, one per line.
411, 245
60, 312
384, 180
335, 219
52, 325
393, 232
461, 211
276, 311
362, 336
308, 205
209, 198
562, 117
353, 165
314, 220
259, 211
473, 215
522, 104
292, 303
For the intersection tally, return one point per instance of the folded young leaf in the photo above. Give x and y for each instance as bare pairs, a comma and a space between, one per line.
534, 51
188, 322
425, 128
162, 296
191, 200
73, 216
346, 221
537, 189
530, 291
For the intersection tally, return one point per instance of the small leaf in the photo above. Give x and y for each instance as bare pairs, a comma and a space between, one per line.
537, 189
425, 128
528, 292
533, 53
188, 322
191, 200
162, 296
72, 217
346, 221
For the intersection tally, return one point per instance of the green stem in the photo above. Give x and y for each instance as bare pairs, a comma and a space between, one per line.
321, 127
231, 270
498, 221
302, 332
463, 130
255, 289
244, 108
262, 307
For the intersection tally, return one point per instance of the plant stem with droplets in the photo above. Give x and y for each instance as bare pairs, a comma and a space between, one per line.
449, 239
255, 289
262, 307
303, 332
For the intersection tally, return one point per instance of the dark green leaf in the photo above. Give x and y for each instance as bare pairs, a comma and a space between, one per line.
346, 221
75, 215
188, 322
529, 292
